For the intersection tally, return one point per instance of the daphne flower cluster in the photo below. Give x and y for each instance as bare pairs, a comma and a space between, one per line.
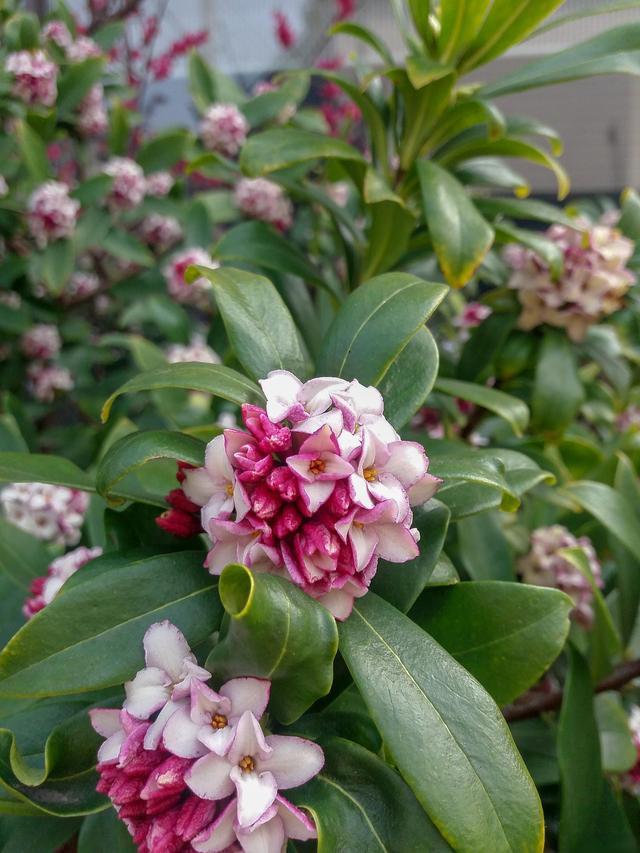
159, 184
198, 292
190, 768
57, 32
195, 350
592, 285
52, 213
44, 589
93, 119
182, 519
51, 513
263, 199
224, 129
160, 232
544, 566
631, 779
472, 315
267, 87
81, 286
83, 48
35, 77
129, 185
41, 341
318, 488
45, 381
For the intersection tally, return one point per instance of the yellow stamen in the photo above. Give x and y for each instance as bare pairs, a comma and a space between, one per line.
317, 466
247, 765
370, 474
219, 721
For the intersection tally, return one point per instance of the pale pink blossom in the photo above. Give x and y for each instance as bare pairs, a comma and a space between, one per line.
159, 184
129, 185
631, 779
593, 284
52, 213
93, 119
57, 32
545, 566
262, 199
45, 381
198, 293
195, 350
317, 489
81, 286
51, 513
472, 315
35, 77
83, 48
224, 129
41, 341
160, 232
44, 589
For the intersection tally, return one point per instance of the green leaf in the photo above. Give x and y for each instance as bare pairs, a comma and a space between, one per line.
628, 565
461, 236
484, 549
40, 833
480, 351
410, 378
610, 508
126, 247
74, 83
282, 148
524, 209
505, 634
507, 23
375, 324
135, 450
461, 465
258, 323
258, 244
201, 82
211, 378
421, 70
391, 225
198, 228
629, 222
460, 20
33, 152
360, 803
557, 390
278, 632
602, 9
22, 557
401, 585
163, 151
90, 636
363, 34
443, 732
511, 409
612, 52
119, 130
43, 468
270, 105
549, 251
58, 264
579, 759
616, 744
105, 833
93, 190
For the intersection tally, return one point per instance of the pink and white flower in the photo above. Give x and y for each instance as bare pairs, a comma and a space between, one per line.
81, 286
52, 213
129, 185
472, 315
198, 293
224, 129
196, 350
35, 77
44, 589
57, 32
545, 566
198, 772
41, 341
50, 513
317, 489
159, 184
160, 232
631, 779
45, 381
93, 120
83, 48
262, 199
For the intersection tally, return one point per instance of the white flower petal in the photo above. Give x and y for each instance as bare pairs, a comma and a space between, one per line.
110, 749
105, 721
249, 740
197, 485
293, 761
408, 462
220, 834
395, 543
247, 694
180, 736
209, 777
281, 390
424, 490
266, 837
296, 823
153, 734
165, 646
256, 792
216, 740
147, 692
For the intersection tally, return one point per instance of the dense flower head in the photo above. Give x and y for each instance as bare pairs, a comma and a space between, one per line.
260, 198
160, 232
52, 213
83, 48
592, 285
35, 77
93, 118
631, 779
545, 566
182, 519
224, 129
44, 589
41, 341
57, 32
159, 184
198, 292
80, 286
45, 381
51, 513
472, 315
129, 185
189, 768
195, 350
317, 488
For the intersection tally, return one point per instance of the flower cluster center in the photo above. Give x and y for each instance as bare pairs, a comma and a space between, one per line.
247, 764
317, 466
219, 721
370, 475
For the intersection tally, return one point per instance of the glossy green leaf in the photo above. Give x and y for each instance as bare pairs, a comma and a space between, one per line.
275, 631
75, 81
557, 390
126, 247
93, 190
579, 759
524, 209
390, 229
494, 173
375, 324
33, 151
282, 148
483, 346
22, 556
43, 468
401, 585
258, 323
511, 409
105, 833
119, 128
269, 106
42, 834
90, 636
351, 28
465, 466
208, 86
459, 23
360, 803
610, 508
423, 109
612, 52
616, 744
163, 151
135, 450
627, 564
410, 378
461, 236
443, 732
57, 265
484, 549
505, 634
213, 379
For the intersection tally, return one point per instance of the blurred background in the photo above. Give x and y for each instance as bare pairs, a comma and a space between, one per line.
598, 119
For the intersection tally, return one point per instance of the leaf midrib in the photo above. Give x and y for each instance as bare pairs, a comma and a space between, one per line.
360, 808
